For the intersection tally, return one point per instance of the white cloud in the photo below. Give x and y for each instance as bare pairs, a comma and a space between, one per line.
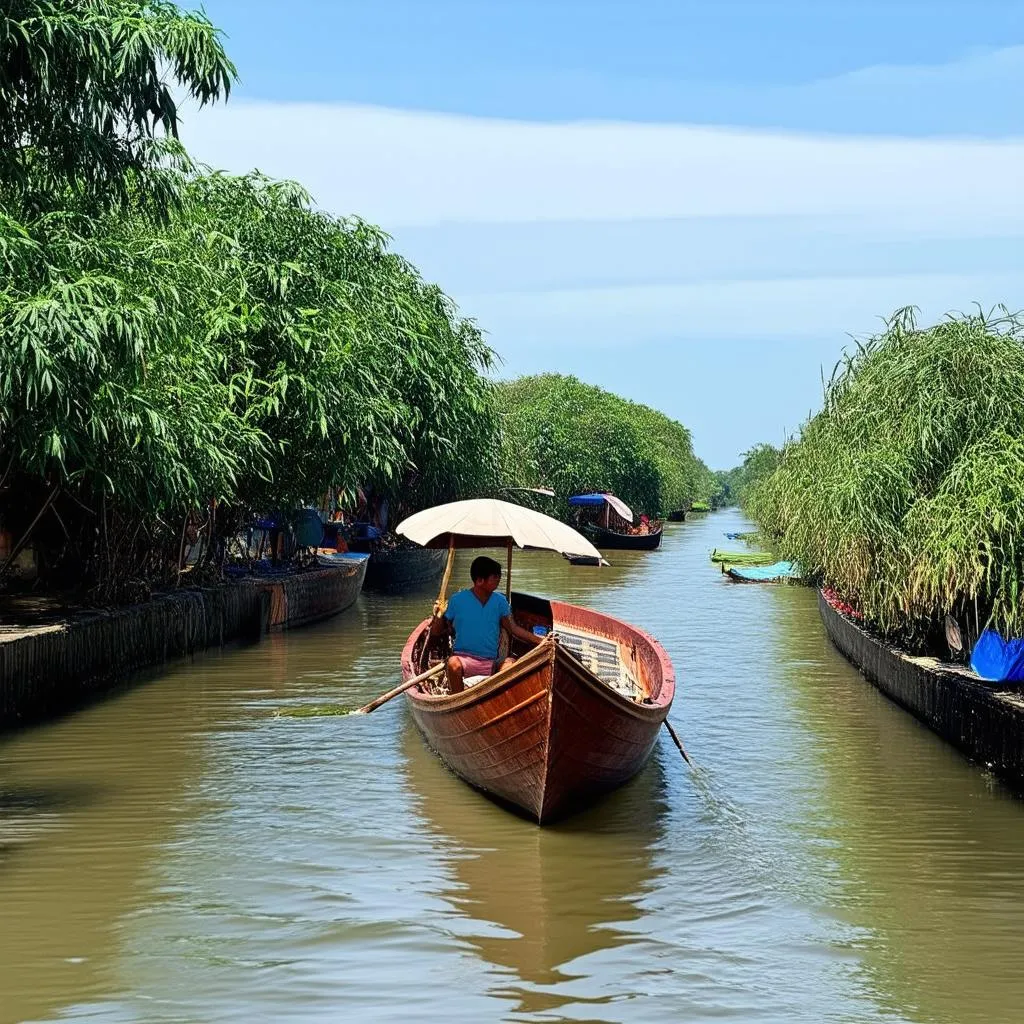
569, 242
767, 310
402, 168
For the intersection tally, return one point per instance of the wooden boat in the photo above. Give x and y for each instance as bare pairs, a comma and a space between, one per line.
571, 719
402, 570
607, 538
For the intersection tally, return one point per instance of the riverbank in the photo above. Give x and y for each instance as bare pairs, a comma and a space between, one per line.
987, 724
50, 668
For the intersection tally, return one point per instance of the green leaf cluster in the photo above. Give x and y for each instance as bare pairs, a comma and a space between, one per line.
180, 348
906, 492
738, 485
89, 95
573, 437
248, 349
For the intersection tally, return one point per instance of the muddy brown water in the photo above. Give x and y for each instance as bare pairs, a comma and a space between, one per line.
181, 852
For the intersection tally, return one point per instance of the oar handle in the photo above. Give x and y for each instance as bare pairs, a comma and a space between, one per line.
401, 688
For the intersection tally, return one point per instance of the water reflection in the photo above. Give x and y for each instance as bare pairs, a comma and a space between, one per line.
77, 838
555, 894
928, 849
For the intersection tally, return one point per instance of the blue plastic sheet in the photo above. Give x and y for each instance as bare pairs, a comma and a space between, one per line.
587, 499
765, 573
996, 659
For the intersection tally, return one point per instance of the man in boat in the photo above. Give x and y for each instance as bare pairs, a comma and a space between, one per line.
477, 616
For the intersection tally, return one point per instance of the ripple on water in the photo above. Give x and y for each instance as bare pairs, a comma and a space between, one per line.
186, 851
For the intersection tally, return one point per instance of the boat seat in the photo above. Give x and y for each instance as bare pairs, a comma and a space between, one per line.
601, 657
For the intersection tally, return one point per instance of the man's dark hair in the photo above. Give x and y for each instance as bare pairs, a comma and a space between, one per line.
483, 568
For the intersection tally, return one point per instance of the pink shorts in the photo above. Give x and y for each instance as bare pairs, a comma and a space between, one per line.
474, 666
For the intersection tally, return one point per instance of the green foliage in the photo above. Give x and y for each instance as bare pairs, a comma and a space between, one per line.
737, 486
575, 438
87, 94
248, 350
906, 492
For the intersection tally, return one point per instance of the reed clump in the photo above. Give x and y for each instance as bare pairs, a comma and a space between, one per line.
905, 493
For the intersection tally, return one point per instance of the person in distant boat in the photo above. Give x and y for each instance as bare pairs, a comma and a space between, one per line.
477, 616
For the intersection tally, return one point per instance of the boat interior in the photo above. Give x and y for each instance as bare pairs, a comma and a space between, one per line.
603, 656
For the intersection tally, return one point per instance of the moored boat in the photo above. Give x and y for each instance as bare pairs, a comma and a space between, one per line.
614, 528
402, 570
613, 539
570, 719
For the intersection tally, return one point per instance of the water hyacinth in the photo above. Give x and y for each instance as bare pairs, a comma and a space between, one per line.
906, 492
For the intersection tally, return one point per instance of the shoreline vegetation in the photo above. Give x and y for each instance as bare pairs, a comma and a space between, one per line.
577, 438
904, 495
187, 351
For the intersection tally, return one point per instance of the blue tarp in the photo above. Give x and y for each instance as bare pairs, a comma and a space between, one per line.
996, 659
765, 573
588, 499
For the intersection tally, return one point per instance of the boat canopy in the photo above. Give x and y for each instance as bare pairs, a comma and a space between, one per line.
604, 499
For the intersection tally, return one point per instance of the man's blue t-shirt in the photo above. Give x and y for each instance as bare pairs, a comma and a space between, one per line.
477, 626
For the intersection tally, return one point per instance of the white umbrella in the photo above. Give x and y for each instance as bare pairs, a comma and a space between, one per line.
488, 522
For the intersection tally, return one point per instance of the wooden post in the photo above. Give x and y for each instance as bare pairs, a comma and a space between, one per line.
508, 573
442, 600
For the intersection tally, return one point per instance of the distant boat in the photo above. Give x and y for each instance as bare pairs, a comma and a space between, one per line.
404, 570
395, 570
603, 538
605, 535
569, 720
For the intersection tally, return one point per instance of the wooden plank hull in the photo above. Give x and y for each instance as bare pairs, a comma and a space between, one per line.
402, 570
546, 735
611, 539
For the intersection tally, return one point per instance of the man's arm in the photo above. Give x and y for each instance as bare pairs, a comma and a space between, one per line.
511, 626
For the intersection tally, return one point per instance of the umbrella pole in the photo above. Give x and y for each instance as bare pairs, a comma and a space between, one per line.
508, 573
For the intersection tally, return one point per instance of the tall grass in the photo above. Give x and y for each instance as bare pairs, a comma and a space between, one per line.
906, 492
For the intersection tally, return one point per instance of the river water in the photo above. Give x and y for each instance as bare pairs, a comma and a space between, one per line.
181, 851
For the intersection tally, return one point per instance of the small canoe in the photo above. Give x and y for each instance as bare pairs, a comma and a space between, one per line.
604, 538
570, 720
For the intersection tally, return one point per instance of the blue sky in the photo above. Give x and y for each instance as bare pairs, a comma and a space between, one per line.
693, 204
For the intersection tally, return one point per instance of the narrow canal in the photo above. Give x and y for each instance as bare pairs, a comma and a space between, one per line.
181, 852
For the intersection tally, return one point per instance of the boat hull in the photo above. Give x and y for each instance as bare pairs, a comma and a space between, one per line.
610, 539
546, 736
403, 570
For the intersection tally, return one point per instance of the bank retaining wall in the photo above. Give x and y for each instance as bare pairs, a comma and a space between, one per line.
47, 670
985, 722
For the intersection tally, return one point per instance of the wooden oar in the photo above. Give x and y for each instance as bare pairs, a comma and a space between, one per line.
679, 743
407, 685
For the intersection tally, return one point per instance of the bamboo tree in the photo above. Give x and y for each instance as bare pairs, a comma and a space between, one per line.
906, 492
